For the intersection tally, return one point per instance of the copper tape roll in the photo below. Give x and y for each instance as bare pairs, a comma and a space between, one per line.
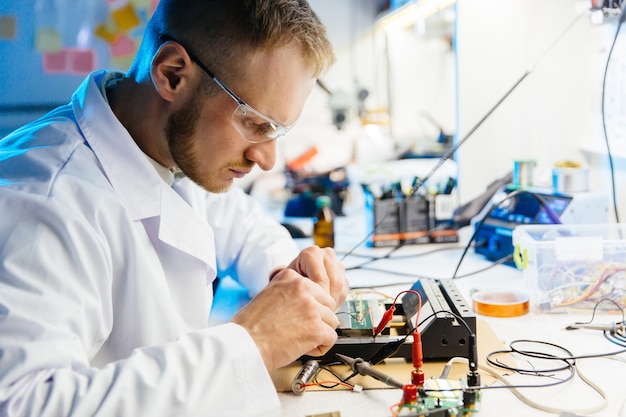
498, 303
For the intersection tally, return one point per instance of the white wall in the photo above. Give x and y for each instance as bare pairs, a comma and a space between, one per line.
405, 74
554, 114
422, 82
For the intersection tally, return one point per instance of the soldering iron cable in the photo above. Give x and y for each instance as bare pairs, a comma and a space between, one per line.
622, 16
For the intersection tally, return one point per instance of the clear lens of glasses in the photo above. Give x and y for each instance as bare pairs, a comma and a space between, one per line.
254, 126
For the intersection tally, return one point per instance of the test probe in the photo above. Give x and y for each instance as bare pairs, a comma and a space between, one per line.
364, 368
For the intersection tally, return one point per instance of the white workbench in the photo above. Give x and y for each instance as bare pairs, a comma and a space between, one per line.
608, 373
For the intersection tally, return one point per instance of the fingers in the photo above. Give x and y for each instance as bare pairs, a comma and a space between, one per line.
320, 295
321, 266
327, 336
294, 316
291, 317
313, 263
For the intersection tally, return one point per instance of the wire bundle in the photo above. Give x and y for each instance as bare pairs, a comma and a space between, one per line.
582, 284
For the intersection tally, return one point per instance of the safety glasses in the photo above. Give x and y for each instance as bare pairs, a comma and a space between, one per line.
252, 125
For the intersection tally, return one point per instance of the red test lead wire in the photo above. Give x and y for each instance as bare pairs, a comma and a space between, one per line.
417, 375
385, 320
389, 313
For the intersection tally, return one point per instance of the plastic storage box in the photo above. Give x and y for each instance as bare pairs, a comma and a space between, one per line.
572, 267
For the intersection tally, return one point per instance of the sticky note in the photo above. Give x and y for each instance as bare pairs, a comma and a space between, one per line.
122, 46
55, 62
104, 31
8, 27
125, 18
82, 60
47, 40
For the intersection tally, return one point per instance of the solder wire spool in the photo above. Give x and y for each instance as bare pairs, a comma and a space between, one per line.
498, 303
570, 177
523, 173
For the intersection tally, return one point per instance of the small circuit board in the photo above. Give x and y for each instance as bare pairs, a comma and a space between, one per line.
360, 317
440, 398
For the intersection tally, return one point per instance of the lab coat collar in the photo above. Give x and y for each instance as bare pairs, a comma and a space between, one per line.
123, 162
135, 180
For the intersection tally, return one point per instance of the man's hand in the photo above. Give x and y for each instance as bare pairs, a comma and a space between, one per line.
320, 265
295, 314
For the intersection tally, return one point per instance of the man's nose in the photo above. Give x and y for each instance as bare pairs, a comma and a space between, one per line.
263, 154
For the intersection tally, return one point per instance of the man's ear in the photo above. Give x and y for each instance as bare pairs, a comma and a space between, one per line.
173, 72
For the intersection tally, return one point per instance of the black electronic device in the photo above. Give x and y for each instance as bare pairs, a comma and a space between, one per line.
494, 236
443, 335
512, 207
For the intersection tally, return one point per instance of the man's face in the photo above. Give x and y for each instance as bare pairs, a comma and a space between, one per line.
201, 137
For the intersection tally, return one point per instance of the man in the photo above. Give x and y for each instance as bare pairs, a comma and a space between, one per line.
115, 220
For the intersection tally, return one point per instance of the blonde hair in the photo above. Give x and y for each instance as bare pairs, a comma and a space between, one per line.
223, 32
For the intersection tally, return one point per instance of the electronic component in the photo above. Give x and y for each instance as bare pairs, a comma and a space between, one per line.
358, 317
438, 398
446, 315
494, 235
443, 336
303, 377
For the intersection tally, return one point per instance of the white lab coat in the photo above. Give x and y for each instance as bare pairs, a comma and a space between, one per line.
106, 272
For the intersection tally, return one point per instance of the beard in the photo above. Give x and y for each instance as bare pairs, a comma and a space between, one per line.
180, 131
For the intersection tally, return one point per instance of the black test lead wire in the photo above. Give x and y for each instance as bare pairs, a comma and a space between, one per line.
620, 20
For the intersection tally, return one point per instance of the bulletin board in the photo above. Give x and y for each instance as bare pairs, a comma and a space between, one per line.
49, 46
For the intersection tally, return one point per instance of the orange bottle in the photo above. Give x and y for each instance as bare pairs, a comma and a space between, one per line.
324, 223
